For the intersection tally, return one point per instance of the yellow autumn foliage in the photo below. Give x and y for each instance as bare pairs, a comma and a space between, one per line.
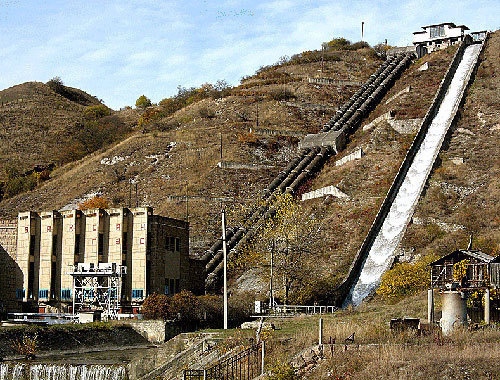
406, 278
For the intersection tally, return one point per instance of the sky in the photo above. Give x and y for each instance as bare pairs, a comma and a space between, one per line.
118, 50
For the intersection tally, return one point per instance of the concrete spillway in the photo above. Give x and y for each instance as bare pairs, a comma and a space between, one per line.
381, 254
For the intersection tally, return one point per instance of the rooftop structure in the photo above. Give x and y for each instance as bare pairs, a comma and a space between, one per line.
438, 36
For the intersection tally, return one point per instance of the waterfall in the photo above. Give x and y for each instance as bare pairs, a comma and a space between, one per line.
18, 371
381, 254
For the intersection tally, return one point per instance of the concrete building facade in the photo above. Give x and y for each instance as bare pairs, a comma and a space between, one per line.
439, 36
40, 250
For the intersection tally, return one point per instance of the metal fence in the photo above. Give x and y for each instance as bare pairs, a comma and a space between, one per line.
262, 309
245, 365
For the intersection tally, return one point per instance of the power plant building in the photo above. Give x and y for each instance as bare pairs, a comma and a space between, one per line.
42, 251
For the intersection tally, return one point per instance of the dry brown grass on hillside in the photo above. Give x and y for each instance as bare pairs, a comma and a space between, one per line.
184, 149
39, 126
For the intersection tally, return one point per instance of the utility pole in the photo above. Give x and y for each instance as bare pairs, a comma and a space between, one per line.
271, 295
322, 57
221, 146
224, 251
187, 203
362, 30
136, 197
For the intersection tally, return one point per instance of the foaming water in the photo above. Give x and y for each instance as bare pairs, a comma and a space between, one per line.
381, 254
20, 371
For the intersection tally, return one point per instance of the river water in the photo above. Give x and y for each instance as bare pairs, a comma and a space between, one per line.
381, 254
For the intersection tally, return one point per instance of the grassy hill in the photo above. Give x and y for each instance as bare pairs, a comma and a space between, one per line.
42, 125
171, 157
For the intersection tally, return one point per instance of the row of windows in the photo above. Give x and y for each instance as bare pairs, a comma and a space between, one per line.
137, 293
89, 293
42, 294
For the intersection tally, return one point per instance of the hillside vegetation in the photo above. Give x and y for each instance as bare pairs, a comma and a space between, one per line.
174, 152
48, 125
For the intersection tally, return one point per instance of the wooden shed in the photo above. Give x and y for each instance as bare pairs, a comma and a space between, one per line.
474, 273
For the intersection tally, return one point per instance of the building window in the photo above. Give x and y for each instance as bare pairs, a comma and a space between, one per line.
437, 31
177, 245
53, 278
20, 293
54, 245
177, 290
137, 293
43, 293
66, 294
100, 247
77, 244
167, 288
32, 246
172, 286
31, 279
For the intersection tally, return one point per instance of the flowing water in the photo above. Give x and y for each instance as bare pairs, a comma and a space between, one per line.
381, 254
21, 371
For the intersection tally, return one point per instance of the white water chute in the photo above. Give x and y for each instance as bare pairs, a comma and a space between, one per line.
381, 253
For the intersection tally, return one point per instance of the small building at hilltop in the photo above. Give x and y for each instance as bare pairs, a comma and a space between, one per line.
48, 253
439, 36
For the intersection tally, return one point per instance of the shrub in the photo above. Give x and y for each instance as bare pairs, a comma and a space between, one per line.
92, 203
282, 94
406, 279
142, 102
19, 184
206, 113
27, 345
156, 306
96, 112
281, 371
241, 306
338, 44
56, 84
185, 306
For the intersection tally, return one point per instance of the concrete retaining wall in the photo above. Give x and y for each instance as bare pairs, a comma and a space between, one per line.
405, 90
328, 190
405, 127
374, 122
343, 290
357, 154
274, 132
153, 331
240, 165
338, 82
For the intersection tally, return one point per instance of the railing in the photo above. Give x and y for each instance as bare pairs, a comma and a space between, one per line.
48, 318
298, 309
245, 365
476, 275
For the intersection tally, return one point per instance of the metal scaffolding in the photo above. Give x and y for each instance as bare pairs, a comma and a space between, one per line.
97, 287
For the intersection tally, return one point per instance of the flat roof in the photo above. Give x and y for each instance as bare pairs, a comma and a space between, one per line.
446, 23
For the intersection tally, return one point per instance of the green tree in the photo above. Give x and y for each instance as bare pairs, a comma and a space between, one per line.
97, 111
292, 237
56, 84
142, 102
